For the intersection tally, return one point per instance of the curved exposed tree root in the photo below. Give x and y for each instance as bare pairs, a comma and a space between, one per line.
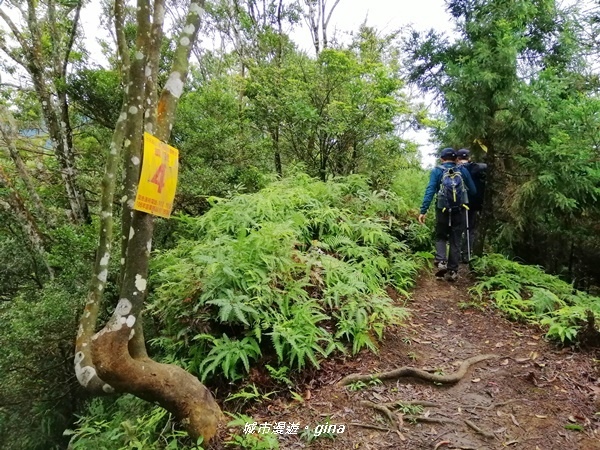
419, 373
484, 433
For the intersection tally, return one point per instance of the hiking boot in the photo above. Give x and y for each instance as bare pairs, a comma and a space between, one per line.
451, 275
442, 269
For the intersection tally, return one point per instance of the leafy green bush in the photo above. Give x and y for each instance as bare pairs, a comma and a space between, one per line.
127, 423
528, 294
292, 274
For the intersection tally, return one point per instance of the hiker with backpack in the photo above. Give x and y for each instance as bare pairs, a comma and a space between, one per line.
451, 182
478, 173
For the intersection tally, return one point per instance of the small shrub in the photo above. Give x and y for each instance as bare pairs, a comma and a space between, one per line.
528, 294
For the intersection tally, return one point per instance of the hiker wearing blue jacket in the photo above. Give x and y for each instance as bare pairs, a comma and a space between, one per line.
451, 182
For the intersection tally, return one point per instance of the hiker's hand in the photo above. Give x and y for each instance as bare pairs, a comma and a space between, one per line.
422, 219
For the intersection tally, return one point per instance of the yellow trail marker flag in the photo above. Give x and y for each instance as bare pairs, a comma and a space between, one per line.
158, 181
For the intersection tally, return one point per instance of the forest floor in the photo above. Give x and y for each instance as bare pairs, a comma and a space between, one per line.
533, 395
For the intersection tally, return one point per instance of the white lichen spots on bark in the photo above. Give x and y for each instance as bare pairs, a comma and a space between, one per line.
103, 275
196, 8
133, 110
84, 374
149, 246
78, 358
175, 84
140, 283
127, 143
185, 41
130, 322
113, 148
131, 233
123, 307
189, 29
139, 55
130, 203
80, 330
104, 260
122, 261
108, 388
148, 70
44, 103
135, 160
131, 333
124, 199
87, 314
123, 115
106, 214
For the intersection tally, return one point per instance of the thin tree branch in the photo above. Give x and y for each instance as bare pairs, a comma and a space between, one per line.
72, 37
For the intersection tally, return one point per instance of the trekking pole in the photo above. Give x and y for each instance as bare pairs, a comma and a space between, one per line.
468, 237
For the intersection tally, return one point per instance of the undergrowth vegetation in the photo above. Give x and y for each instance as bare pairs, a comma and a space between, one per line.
528, 294
287, 276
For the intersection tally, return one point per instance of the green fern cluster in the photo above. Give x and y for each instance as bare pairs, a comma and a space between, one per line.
528, 294
294, 272
127, 423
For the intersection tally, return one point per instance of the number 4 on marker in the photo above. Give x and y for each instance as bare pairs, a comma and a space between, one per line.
159, 176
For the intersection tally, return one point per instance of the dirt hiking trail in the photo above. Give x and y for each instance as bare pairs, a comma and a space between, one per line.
533, 395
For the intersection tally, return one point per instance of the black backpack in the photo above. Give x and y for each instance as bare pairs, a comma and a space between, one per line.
478, 174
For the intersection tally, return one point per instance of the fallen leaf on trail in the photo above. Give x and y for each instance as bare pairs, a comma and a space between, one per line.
499, 413
511, 442
534, 355
476, 380
537, 338
520, 360
450, 321
504, 363
439, 444
540, 416
514, 420
499, 344
572, 419
307, 395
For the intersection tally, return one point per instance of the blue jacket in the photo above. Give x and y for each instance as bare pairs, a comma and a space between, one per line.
435, 179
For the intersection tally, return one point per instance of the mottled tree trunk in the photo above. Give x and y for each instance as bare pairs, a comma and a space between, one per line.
115, 359
15, 206
49, 87
10, 135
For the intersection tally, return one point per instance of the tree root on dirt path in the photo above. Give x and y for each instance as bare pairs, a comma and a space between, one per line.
484, 433
398, 421
419, 373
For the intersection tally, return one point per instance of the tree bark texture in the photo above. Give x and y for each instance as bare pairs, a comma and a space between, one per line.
114, 358
49, 88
